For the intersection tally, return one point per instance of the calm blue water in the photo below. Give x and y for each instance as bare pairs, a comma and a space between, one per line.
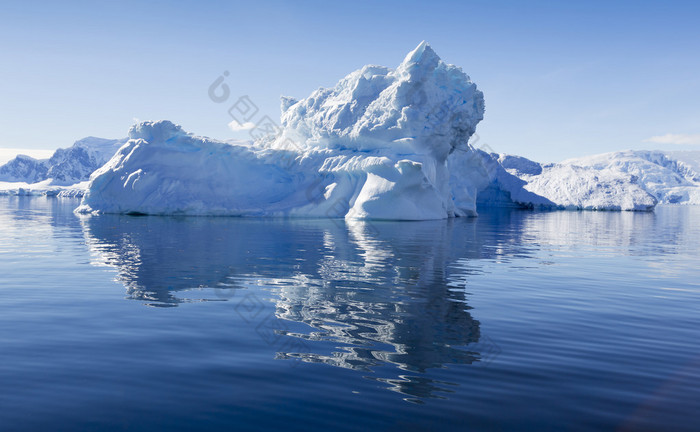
514, 320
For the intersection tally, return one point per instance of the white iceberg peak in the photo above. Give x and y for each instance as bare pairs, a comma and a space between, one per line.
425, 106
149, 131
419, 61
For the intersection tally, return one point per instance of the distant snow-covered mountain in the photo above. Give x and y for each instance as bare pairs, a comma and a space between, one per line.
670, 177
66, 166
25, 169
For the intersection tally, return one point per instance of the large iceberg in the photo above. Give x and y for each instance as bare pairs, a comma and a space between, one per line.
381, 144
374, 146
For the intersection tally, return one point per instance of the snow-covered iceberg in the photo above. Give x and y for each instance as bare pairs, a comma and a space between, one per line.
374, 146
381, 144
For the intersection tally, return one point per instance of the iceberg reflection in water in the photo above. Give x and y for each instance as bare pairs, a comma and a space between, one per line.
389, 299
262, 324
369, 294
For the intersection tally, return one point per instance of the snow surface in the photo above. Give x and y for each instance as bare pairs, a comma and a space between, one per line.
691, 158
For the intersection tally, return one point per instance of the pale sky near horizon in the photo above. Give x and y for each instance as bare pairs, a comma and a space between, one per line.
560, 79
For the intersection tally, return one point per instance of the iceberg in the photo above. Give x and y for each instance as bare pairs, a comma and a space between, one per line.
382, 143
375, 146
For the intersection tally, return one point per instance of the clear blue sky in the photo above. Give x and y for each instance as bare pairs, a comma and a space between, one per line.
561, 79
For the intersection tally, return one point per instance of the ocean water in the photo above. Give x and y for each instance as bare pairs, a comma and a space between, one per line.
515, 320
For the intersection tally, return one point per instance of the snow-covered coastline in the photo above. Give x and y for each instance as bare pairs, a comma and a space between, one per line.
43, 188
